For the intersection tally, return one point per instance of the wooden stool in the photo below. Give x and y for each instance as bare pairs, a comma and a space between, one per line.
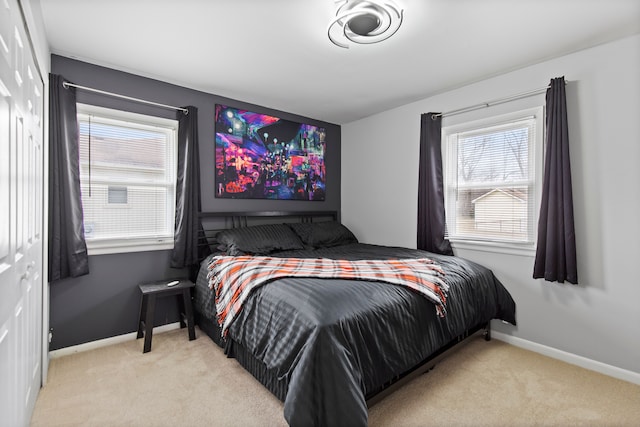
152, 290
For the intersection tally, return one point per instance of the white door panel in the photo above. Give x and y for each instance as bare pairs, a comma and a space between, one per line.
21, 216
5, 188
7, 394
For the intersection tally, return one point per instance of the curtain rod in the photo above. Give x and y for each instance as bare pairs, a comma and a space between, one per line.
494, 102
129, 98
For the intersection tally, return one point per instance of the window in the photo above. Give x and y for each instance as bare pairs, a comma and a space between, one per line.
127, 175
491, 179
117, 195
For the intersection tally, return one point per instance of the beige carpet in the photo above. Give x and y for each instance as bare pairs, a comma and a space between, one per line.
192, 383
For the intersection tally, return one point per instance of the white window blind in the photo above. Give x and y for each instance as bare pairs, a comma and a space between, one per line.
490, 179
128, 173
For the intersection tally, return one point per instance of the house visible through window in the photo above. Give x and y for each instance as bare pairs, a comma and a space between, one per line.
491, 178
117, 195
128, 174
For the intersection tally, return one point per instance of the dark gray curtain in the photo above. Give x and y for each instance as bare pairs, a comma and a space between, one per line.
188, 229
67, 247
431, 214
556, 248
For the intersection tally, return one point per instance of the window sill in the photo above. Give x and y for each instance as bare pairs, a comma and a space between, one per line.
495, 247
118, 247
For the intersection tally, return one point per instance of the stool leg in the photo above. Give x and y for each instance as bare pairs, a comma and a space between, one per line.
188, 309
148, 323
182, 312
141, 318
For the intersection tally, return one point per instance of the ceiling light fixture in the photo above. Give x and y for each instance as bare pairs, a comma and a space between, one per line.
364, 22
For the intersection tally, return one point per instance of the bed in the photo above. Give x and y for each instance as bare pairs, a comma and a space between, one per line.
330, 348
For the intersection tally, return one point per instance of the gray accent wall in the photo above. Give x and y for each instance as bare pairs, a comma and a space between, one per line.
106, 302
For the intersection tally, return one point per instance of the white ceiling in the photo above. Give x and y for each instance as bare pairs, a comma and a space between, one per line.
275, 53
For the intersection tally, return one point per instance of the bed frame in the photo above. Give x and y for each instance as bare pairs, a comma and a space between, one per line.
226, 220
213, 222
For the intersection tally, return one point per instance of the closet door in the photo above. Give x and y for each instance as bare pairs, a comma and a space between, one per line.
21, 215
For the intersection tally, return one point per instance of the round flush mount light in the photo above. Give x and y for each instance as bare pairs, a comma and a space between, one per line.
364, 22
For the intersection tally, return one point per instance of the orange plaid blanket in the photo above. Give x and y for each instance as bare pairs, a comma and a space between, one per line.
233, 278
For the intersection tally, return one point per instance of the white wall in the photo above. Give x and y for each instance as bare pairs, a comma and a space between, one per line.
599, 319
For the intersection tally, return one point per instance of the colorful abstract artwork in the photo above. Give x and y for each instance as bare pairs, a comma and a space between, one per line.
264, 157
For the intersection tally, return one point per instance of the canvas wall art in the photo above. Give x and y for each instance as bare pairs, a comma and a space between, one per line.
259, 156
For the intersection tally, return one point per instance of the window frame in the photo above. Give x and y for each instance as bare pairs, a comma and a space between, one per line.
535, 161
146, 122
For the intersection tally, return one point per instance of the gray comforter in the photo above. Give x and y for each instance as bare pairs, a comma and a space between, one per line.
335, 342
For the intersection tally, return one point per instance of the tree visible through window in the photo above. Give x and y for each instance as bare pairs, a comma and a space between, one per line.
489, 180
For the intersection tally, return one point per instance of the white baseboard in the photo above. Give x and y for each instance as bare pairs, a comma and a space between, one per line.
574, 359
108, 341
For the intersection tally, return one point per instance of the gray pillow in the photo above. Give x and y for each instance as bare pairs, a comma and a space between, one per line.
323, 234
258, 240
